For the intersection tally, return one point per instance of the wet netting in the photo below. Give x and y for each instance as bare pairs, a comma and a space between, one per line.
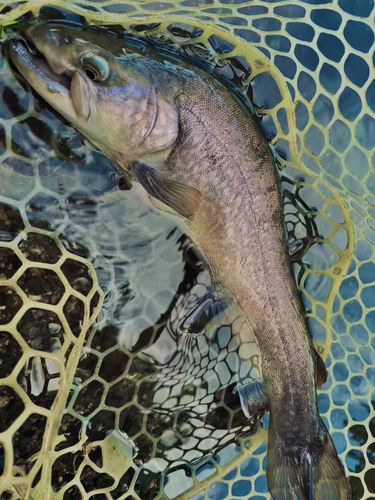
110, 388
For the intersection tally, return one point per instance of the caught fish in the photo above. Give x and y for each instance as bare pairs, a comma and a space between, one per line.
199, 153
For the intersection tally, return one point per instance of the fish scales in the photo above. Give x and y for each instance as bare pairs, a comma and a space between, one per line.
240, 230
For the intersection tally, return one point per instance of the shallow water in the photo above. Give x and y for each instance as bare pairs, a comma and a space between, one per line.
172, 393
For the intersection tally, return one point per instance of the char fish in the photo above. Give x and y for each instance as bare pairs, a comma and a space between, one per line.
200, 154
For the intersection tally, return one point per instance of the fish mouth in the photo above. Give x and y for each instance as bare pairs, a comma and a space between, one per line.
29, 60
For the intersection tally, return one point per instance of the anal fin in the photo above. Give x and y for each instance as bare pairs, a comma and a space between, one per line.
252, 397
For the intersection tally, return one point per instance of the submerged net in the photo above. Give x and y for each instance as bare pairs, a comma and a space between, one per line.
128, 405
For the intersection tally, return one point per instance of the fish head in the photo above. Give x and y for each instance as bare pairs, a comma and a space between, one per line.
125, 105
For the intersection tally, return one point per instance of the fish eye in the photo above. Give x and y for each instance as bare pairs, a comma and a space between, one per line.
95, 67
91, 74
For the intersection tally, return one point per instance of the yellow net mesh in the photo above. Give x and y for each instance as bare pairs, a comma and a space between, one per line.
84, 414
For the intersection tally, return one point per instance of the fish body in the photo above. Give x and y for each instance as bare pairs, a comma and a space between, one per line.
196, 149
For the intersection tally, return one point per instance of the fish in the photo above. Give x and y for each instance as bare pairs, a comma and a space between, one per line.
201, 155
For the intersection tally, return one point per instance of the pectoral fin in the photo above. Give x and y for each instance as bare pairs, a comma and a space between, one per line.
252, 397
183, 199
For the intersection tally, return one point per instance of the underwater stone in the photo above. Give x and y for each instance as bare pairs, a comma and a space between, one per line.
267, 24
10, 304
248, 35
353, 185
338, 324
352, 311
339, 419
317, 330
368, 355
306, 85
323, 403
359, 386
359, 409
366, 132
370, 374
371, 454
248, 11
218, 491
357, 435
11, 407
359, 35
301, 31
317, 2
362, 249
339, 441
314, 140
286, 65
337, 351
340, 372
113, 365
367, 273
348, 343
261, 484
119, 8
370, 95
355, 461
359, 334
10, 354
350, 104
368, 296
9, 263
278, 42
356, 161
249, 467
355, 363
326, 18
340, 396
330, 78
307, 56
290, 11
361, 9
331, 47
302, 116
356, 69
340, 136
241, 488
323, 110
331, 163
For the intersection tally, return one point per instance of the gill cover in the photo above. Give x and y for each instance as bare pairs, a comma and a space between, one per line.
124, 105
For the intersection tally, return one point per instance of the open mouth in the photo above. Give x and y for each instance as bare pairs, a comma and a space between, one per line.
28, 58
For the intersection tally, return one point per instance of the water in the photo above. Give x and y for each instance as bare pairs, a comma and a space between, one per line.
163, 398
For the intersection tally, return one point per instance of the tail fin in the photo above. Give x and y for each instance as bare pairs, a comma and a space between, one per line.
291, 478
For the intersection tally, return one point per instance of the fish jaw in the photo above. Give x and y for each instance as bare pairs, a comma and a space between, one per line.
129, 114
63, 90
54, 88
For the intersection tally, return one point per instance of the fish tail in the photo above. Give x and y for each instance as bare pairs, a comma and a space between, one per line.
306, 472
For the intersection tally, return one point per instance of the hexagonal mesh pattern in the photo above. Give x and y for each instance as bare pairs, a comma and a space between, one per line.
133, 408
